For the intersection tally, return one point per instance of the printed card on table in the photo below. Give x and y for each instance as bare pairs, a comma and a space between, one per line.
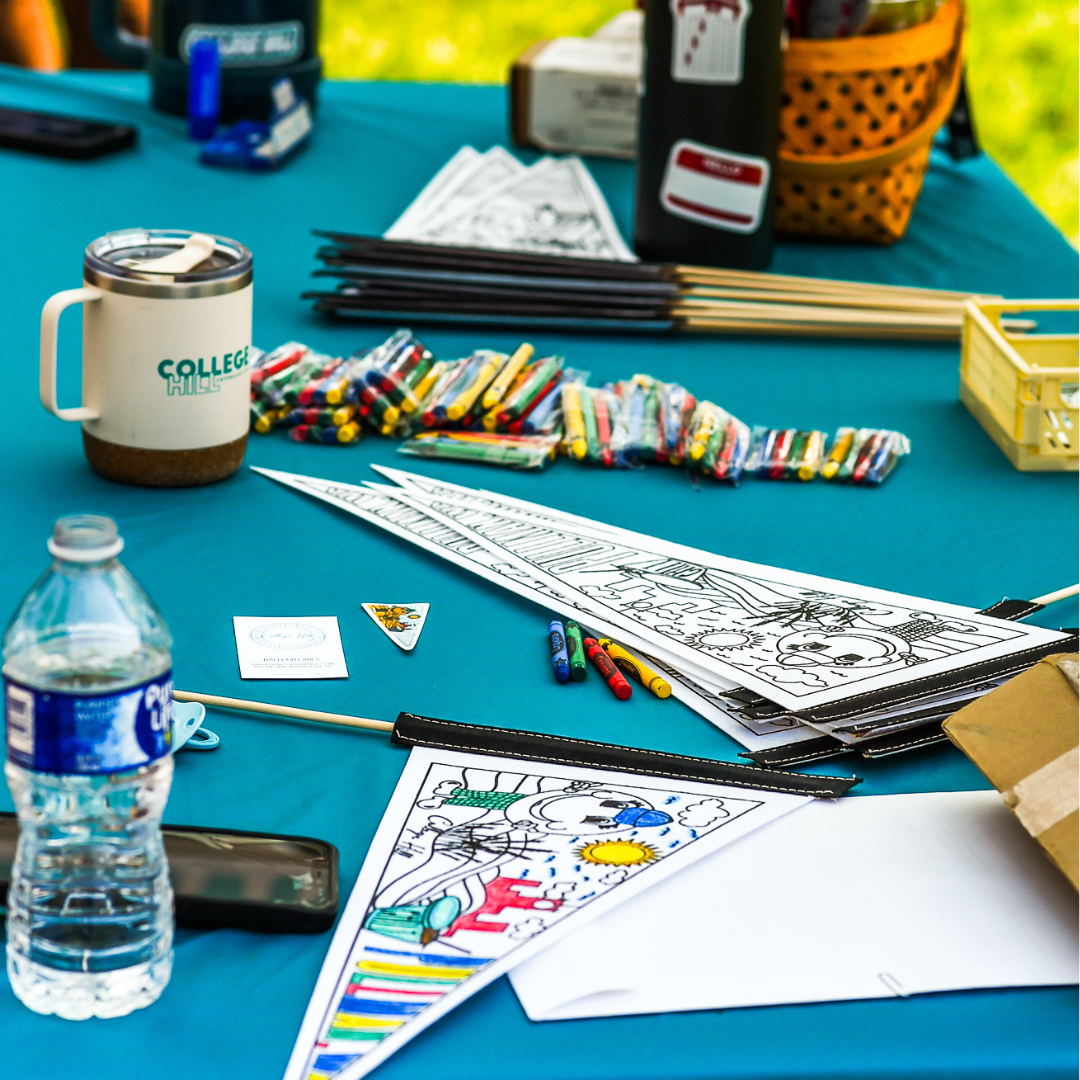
307, 647
480, 862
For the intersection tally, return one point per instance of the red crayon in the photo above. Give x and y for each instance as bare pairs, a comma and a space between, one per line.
602, 662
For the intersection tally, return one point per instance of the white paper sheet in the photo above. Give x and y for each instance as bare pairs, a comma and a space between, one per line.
454, 188
289, 647
371, 503
478, 863
863, 897
553, 208
797, 639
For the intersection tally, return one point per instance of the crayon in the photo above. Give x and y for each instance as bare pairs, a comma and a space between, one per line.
879, 467
465, 400
491, 420
592, 432
540, 414
602, 662
633, 667
530, 390
575, 649
808, 464
576, 441
700, 441
603, 426
516, 426
499, 387
779, 453
455, 449
278, 360
560, 659
650, 424
840, 447
795, 454
432, 376
867, 454
463, 376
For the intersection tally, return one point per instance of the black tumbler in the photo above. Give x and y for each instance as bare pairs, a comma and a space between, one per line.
708, 132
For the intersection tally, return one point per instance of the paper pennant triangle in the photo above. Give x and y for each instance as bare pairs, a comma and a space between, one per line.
479, 863
401, 623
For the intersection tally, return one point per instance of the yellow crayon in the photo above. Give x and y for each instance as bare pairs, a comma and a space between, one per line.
811, 454
702, 436
423, 387
342, 416
497, 390
841, 449
635, 668
337, 391
490, 421
270, 418
574, 419
467, 398
348, 433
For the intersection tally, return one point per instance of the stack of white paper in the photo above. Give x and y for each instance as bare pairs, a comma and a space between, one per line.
492, 200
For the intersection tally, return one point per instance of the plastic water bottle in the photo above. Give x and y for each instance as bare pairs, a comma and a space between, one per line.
89, 703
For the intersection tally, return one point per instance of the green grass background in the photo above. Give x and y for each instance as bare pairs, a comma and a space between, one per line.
1022, 67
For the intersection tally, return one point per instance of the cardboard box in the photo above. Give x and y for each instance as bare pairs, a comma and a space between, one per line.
580, 95
1023, 736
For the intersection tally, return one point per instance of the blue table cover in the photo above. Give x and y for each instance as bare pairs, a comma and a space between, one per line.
955, 523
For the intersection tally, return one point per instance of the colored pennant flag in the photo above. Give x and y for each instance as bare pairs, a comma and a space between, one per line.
479, 863
401, 623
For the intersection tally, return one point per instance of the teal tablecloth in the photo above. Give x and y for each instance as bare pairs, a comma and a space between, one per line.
955, 523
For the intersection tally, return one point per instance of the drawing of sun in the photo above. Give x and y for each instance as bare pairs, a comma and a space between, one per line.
617, 853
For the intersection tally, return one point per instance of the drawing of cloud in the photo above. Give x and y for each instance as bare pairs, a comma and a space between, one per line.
526, 929
560, 890
793, 675
614, 877
701, 815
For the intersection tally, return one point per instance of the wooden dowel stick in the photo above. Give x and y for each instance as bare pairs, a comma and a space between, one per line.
1054, 597
214, 702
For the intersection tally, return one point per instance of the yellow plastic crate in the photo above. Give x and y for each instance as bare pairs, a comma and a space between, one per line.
1022, 388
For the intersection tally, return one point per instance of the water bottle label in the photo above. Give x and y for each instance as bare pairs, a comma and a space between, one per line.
84, 734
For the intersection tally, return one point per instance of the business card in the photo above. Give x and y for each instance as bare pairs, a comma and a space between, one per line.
289, 648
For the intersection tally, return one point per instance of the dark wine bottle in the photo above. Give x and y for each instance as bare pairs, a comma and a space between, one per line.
708, 132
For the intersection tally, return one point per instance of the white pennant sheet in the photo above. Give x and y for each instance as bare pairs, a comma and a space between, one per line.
479, 863
694, 687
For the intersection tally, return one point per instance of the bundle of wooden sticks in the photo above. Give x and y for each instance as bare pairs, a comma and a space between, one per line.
397, 279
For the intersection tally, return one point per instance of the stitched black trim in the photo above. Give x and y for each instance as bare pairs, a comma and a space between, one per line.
902, 740
1011, 609
412, 730
796, 753
1000, 667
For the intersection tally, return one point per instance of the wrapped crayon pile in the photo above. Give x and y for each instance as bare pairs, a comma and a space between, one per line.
521, 411
573, 650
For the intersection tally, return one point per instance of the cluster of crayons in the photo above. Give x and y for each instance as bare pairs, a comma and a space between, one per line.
520, 411
570, 649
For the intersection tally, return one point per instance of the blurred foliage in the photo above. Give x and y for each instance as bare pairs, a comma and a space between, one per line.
1022, 68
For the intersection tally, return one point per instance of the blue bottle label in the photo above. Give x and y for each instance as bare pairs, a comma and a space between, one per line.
88, 734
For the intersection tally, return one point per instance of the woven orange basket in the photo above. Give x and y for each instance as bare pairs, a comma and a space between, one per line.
857, 118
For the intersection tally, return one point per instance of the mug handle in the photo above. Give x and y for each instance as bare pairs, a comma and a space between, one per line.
50, 320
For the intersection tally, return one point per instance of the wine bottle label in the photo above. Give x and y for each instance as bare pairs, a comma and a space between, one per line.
707, 40
86, 734
715, 187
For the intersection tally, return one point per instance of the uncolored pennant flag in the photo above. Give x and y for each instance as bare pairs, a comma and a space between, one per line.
401, 623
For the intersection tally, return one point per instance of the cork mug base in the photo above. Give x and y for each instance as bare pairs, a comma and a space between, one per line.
163, 468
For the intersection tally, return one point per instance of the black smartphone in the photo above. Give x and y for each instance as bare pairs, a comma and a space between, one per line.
222, 877
62, 136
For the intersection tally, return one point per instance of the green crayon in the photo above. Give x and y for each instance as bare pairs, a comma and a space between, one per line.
578, 668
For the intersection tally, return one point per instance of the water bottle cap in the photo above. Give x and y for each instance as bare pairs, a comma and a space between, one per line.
85, 538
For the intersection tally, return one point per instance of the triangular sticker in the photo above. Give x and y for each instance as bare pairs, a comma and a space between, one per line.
401, 623
480, 862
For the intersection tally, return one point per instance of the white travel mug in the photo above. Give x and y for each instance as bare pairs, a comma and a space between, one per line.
166, 385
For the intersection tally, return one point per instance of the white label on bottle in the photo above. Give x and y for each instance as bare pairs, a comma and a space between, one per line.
707, 39
715, 187
248, 45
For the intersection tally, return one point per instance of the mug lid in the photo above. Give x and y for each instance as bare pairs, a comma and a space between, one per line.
111, 263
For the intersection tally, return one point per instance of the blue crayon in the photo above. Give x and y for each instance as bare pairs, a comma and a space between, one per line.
560, 658
539, 415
